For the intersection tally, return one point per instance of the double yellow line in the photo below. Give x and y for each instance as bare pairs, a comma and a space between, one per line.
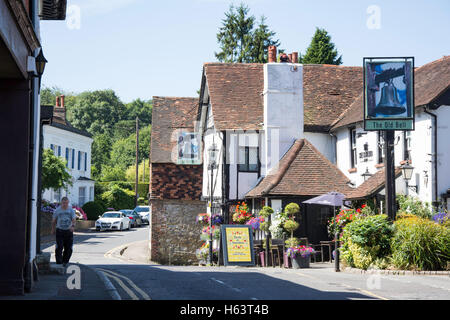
128, 289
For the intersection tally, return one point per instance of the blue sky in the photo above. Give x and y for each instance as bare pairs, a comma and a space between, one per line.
145, 48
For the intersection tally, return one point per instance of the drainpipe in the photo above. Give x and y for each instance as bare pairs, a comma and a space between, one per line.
434, 116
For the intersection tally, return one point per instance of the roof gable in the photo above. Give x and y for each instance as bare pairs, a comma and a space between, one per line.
303, 171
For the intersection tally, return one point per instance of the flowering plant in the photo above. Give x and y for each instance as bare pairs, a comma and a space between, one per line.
217, 219
48, 207
203, 252
242, 214
302, 251
206, 232
342, 219
441, 217
202, 218
82, 213
276, 228
255, 222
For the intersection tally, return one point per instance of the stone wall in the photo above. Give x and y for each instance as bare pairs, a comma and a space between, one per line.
46, 224
174, 234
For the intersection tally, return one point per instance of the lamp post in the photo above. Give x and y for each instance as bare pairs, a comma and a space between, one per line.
212, 151
407, 172
41, 62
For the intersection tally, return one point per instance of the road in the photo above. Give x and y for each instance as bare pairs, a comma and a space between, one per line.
140, 280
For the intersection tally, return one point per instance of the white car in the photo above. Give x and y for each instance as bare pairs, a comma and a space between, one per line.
113, 220
144, 212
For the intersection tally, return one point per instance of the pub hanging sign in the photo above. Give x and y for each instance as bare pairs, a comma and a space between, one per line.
388, 94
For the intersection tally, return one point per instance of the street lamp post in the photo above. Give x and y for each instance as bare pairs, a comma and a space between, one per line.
211, 166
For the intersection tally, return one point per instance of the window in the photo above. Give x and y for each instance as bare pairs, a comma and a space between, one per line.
407, 145
91, 194
82, 196
85, 161
67, 157
79, 160
73, 158
380, 147
353, 154
59, 151
248, 159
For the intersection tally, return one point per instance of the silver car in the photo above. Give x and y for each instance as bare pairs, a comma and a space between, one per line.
144, 212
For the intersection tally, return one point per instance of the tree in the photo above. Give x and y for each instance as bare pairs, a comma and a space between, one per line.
141, 109
123, 152
321, 50
96, 112
101, 152
262, 39
239, 41
130, 174
110, 173
54, 172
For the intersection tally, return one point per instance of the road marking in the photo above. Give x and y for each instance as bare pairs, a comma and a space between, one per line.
131, 283
226, 285
122, 285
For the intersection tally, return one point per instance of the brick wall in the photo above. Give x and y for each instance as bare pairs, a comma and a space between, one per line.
171, 181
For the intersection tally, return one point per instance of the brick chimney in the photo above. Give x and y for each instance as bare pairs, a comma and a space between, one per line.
60, 111
272, 54
294, 57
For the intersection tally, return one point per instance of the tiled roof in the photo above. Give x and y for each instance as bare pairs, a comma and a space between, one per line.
328, 91
169, 114
371, 186
431, 80
303, 171
236, 93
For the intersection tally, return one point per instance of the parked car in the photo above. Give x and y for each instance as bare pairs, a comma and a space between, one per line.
113, 220
135, 218
144, 212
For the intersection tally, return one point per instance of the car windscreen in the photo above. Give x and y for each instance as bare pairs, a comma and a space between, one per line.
142, 209
111, 215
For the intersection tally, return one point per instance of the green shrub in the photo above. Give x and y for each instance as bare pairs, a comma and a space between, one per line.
420, 244
412, 205
366, 240
291, 209
93, 209
266, 211
118, 198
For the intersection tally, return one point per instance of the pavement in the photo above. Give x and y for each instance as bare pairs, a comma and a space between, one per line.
65, 287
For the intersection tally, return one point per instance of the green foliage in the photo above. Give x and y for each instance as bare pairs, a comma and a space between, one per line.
264, 226
366, 239
239, 41
101, 149
291, 209
290, 226
93, 209
112, 173
321, 50
118, 198
141, 109
123, 152
266, 211
420, 244
130, 174
54, 172
96, 112
412, 205
292, 242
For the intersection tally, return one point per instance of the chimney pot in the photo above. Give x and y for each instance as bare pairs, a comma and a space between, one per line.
57, 101
272, 54
294, 57
290, 57
62, 100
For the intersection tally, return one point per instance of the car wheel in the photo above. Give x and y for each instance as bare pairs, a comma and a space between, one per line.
129, 226
121, 227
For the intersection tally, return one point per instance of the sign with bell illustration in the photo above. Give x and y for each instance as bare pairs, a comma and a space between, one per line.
389, 103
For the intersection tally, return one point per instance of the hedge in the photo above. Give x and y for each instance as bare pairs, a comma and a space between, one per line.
93, 209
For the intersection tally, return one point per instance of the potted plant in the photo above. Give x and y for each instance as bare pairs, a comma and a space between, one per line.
300, 256
242, 214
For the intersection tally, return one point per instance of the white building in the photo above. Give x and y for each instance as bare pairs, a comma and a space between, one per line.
254, 113
74, 146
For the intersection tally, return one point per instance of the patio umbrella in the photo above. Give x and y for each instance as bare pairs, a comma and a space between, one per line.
333, 199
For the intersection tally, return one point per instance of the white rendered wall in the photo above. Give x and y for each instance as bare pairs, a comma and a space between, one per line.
283, 109
443, 145
324, 143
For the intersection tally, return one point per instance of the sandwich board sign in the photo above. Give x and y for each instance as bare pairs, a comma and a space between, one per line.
237, 243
